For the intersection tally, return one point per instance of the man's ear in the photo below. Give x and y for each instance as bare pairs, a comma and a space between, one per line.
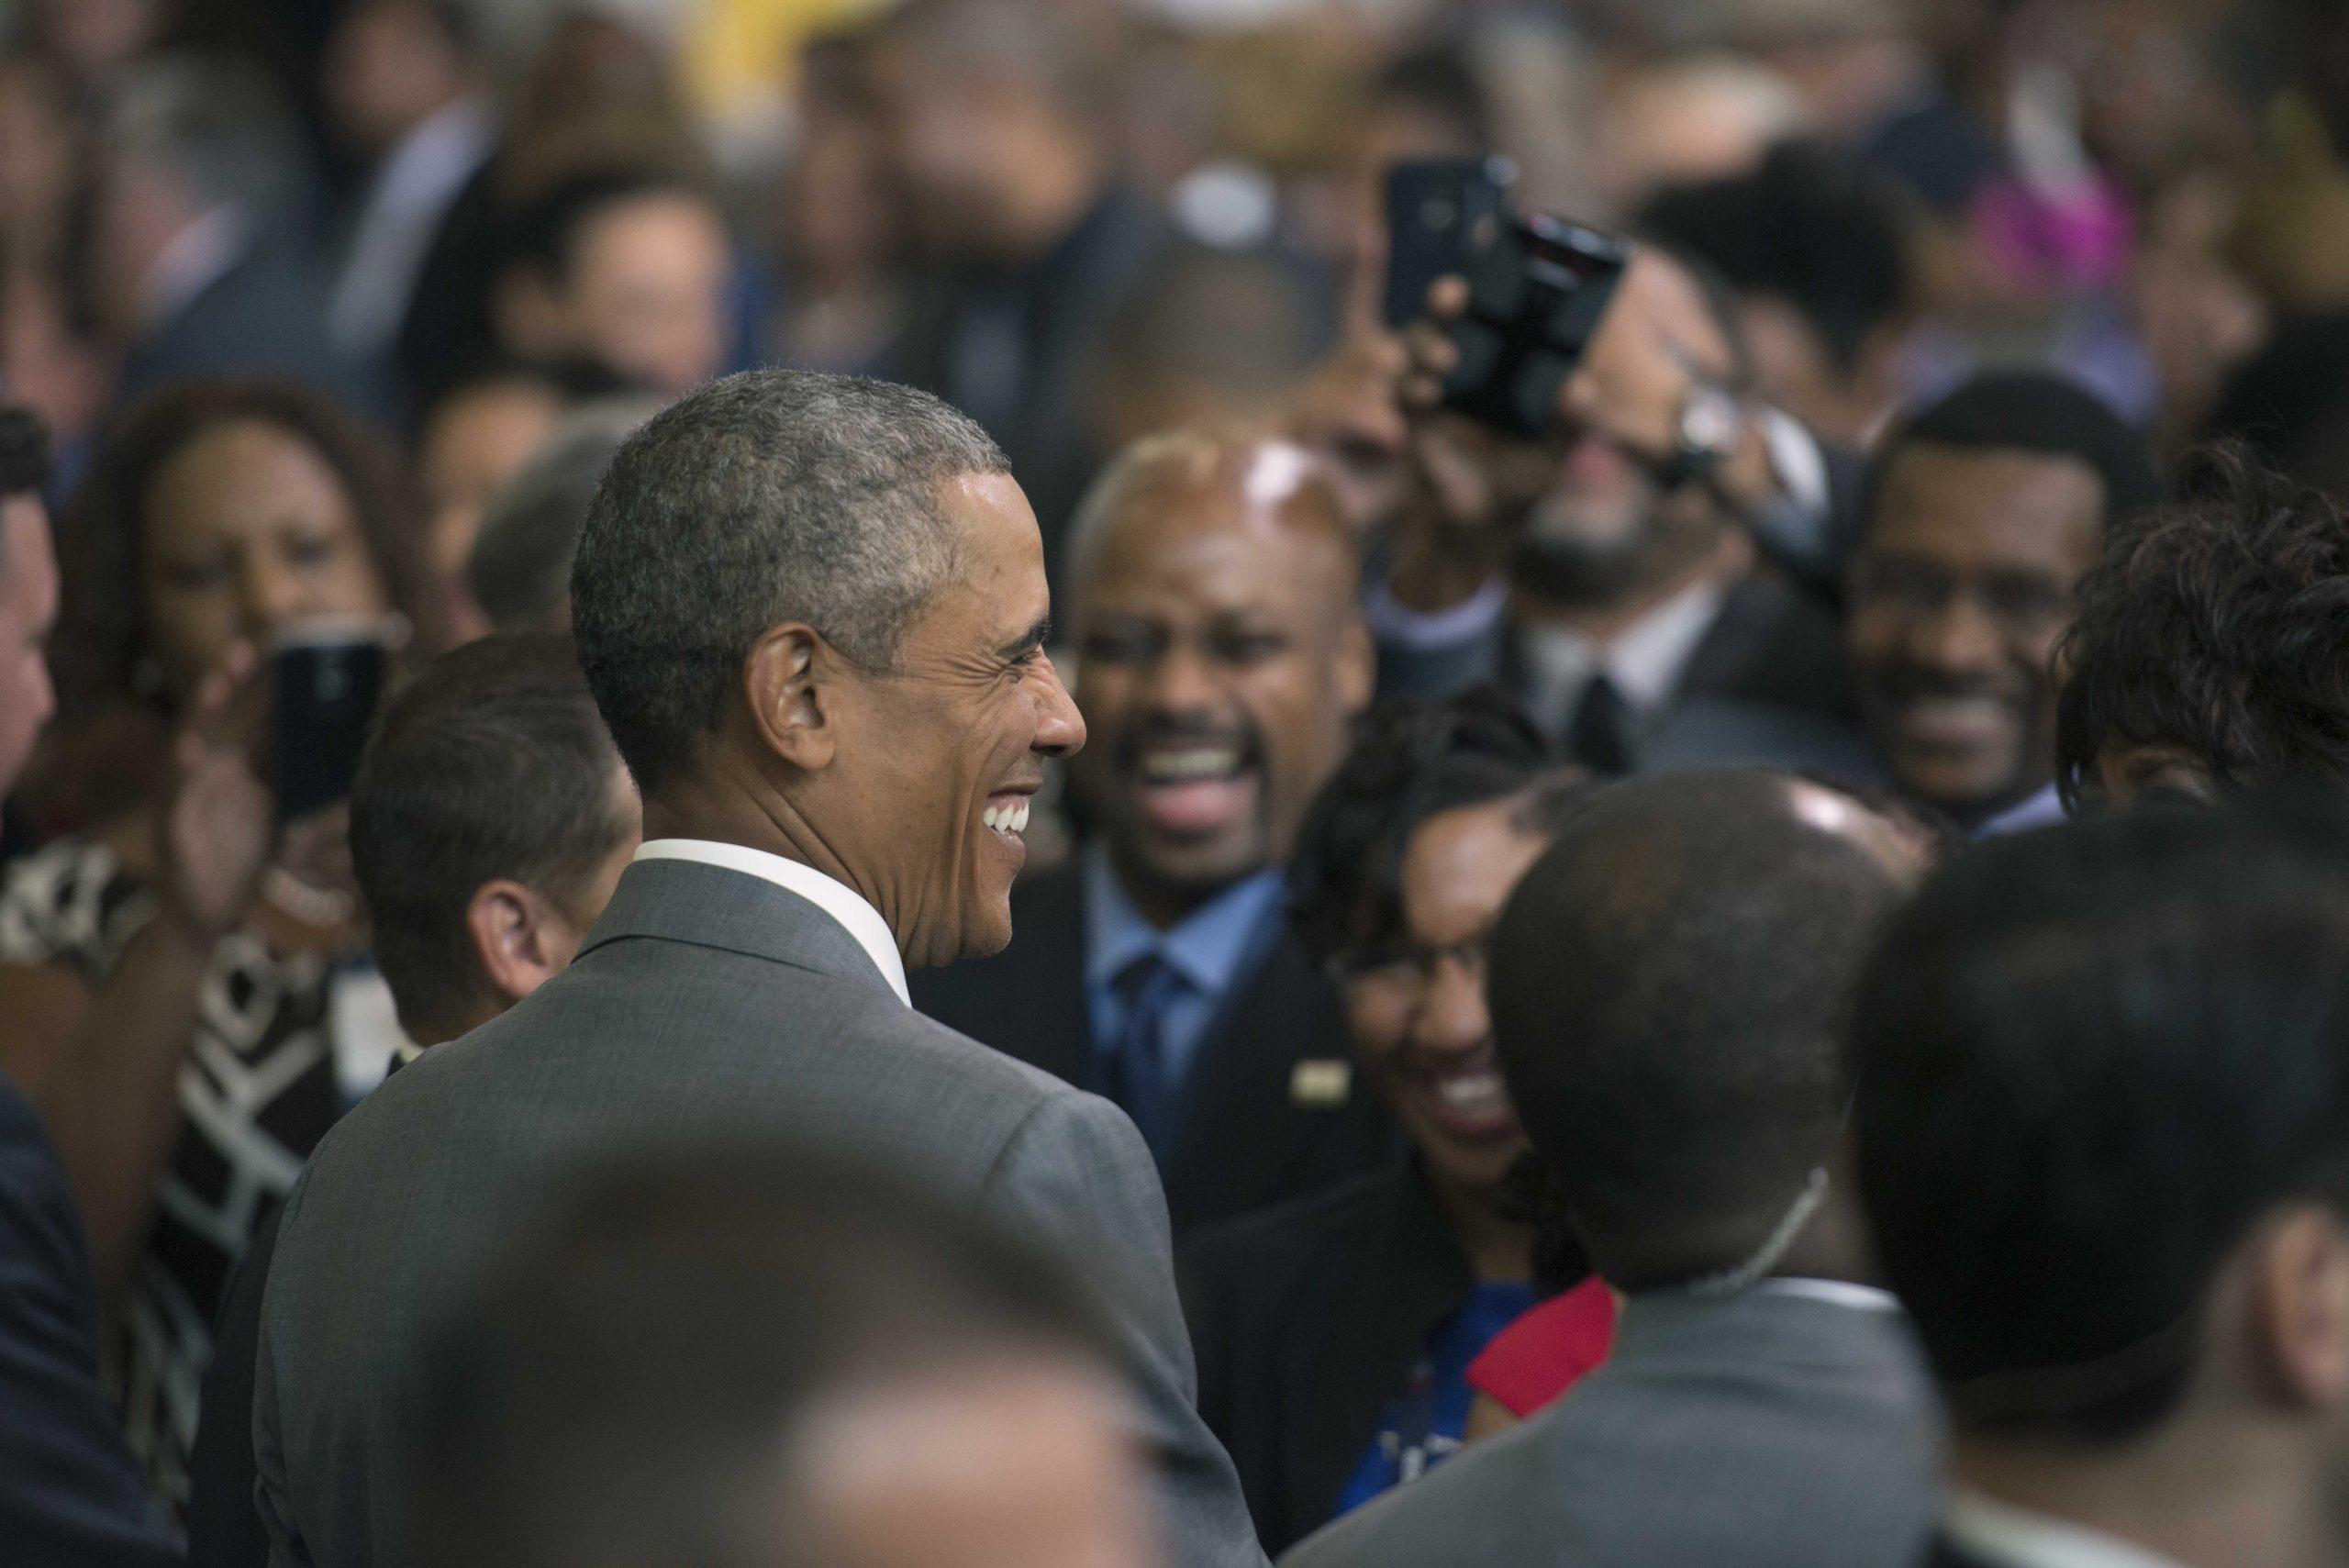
1357, 668
2296, 1305
515, 936
792, 680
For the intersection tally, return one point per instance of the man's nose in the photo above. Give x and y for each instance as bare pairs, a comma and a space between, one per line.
1452, 1016
1060, 727
268, 597
1179, 681
1955, 636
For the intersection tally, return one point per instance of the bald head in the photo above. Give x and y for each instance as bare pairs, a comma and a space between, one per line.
1221, 654
1666, 984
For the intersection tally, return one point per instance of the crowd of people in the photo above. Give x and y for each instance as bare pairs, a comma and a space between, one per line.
785, 788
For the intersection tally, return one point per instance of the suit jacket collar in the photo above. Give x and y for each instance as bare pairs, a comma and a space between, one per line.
732, 911
1663, 1330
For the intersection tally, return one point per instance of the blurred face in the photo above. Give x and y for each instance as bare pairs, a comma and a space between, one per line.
1219, 660
247, 528
646, 292
28, 611
1020, 1465
964, 143
937, 760
473, 445
1417, 1007
1959, 594
388, 68
2128, 772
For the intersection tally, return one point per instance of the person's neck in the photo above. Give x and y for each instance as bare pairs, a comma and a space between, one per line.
1499, 1249
2200, 1498
1163, 903
721, 807
1058, 190
1659, 582
1834, 1246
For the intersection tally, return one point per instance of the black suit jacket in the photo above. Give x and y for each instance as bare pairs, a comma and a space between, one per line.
71, 1495
1305, 1321
266, 315
1246, 1142
1943, 1553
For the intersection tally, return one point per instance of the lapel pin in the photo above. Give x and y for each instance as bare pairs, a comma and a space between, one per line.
1322, 1082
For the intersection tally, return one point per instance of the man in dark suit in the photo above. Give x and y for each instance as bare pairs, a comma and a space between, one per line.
1334, 1332
1664, 988
201, 253
2102, 1129
1656, 584
1029, 242
71, 1494
812, 610
1220, 657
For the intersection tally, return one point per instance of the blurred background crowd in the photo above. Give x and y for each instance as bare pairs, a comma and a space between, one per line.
2031, 322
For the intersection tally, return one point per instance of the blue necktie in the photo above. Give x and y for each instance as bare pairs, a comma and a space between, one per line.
1147, 987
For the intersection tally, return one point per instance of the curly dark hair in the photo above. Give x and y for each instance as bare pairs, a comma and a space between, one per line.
101, 635
2220, 625
1411, 760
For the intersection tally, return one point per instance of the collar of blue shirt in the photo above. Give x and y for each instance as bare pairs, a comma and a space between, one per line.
1208, 948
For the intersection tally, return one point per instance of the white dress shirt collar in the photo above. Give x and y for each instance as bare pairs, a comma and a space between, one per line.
2020, 1537
837, 900
1645, 660
197, 257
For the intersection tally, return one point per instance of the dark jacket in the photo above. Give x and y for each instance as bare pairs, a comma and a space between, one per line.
1946, 1553
1248, 1140
1306, 1320
71, 1495
265, 314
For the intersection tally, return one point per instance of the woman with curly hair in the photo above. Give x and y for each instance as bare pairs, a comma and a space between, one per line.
169, 964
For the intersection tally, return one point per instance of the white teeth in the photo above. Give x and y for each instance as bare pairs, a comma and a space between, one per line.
1194, 762
1475, 1091
1012, 818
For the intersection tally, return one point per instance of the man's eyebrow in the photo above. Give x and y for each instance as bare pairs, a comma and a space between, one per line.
1035, 637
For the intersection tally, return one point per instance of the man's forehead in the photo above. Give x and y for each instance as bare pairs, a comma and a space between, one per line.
2009, 503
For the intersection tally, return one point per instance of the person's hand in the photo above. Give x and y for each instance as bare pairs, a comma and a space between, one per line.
1655, 341
217, 824
1347, 412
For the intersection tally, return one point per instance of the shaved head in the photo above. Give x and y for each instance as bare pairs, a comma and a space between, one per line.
1208, 481
1666, 985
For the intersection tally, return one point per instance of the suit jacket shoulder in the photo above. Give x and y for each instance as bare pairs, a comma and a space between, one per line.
705, 1002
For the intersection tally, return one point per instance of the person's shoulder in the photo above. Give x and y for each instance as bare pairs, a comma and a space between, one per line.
1317, 1219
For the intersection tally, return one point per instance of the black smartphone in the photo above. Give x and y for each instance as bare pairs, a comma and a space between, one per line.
326, 679
1538, 286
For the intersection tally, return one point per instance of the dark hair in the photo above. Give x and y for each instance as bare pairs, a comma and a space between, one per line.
25, 461
101, 634
490, 762
2288, 405
1410, 760
1808, 226
544, 232
766, 496
2030, 411
567, 380
1439, 78
2219, 625
2087, 1059
1666, 987
623, 1382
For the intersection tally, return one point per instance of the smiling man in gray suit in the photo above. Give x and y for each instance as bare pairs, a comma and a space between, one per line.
813, 611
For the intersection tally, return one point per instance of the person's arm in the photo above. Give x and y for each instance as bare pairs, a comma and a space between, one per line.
1077, 1174
111, 1095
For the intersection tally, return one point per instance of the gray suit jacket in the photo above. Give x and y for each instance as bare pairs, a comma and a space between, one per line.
1765, 1431
703, 1001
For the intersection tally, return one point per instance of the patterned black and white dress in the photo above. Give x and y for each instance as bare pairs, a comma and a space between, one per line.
257, 1091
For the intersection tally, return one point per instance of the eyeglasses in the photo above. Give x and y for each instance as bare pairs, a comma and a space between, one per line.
1401, 966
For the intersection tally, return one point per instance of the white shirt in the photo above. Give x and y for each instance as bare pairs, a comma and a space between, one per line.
197, 257
1644, 662
837, 900
405, 204
2020, 1537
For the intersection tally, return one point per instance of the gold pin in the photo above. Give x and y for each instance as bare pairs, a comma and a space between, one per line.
1321, 1083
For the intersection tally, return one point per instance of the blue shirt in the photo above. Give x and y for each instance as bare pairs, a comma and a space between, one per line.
1422, 1426
1215, 949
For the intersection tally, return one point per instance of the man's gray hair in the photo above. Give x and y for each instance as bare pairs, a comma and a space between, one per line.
519, 571
216, 124
769, 497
